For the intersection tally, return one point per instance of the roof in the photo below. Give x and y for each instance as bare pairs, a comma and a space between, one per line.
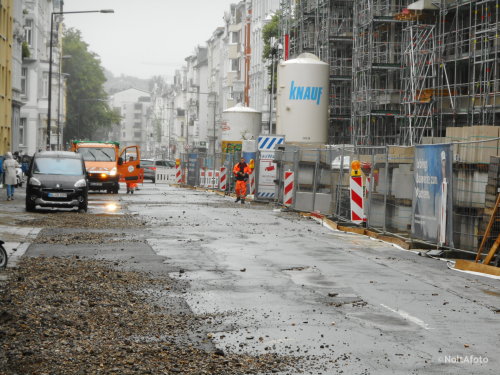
58, 154
240, 108
93, 143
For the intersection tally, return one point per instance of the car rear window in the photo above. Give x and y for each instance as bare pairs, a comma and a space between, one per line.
165, 163
58, 166
147, 163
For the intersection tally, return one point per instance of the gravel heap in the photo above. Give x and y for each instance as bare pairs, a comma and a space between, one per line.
75, 316
77, 220
92, 238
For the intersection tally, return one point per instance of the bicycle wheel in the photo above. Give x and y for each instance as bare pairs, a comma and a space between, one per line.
3, 257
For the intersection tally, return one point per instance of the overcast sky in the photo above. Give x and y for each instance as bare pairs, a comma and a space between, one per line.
145, 37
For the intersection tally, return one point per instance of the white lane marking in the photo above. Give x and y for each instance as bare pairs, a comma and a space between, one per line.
408, 317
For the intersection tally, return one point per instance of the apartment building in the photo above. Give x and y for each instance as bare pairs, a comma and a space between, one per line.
6, 25
262, 12
135, 128
34, 84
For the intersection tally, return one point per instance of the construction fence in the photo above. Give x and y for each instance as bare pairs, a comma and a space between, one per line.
442, 194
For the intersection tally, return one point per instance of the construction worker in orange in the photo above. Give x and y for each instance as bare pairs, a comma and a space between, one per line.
241, 172
131, 185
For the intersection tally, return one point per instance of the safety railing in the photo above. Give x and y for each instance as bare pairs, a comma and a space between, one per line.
443, 194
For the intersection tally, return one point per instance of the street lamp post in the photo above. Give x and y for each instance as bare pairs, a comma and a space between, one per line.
49, 99
275, 50
59, 84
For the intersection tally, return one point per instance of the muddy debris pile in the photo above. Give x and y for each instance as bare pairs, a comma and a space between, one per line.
73, 316
84, 221
92, 238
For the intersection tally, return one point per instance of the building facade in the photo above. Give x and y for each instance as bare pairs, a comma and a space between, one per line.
6, 42
34, 85
135, 128
262, 12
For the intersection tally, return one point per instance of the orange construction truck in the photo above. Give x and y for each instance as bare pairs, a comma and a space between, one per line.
106, 165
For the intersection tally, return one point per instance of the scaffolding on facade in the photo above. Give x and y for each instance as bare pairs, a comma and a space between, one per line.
402, 70
468, 48
377, 114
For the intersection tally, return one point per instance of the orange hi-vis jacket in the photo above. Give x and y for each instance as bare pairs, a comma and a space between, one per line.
241, 171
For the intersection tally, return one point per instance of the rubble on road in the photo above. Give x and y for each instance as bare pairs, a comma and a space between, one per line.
77, 220
92, 238
77, 316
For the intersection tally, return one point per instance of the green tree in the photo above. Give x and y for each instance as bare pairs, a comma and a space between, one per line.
271, 32
88, 110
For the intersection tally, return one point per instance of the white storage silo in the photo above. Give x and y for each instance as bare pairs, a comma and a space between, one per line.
302, 99
239, 123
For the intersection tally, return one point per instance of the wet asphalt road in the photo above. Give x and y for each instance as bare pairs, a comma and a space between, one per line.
286, 284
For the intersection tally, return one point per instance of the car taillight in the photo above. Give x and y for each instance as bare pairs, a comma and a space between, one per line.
153, 168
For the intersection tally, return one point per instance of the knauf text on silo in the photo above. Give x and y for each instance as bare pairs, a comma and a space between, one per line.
306, 93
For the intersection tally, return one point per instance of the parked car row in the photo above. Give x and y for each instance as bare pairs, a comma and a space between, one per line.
150, 166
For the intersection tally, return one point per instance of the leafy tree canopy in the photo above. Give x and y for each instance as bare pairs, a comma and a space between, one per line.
88, 110
271, 30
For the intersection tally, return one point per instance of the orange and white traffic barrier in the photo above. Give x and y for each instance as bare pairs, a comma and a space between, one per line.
288, 189
223, 178
356, 187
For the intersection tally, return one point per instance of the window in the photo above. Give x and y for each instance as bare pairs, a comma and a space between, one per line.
60, 166
235, 37
137, 134
45, 85
137, 106
22, 131
137, 115
24, 81
97, 153
28, 31
235, 65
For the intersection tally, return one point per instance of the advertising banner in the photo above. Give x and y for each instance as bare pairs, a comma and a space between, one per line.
266, 188
192, 169
432, 200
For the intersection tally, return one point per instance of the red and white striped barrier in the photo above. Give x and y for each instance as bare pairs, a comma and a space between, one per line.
223, 178
251, 183
202, 178
288, 189
178, 174
357, 212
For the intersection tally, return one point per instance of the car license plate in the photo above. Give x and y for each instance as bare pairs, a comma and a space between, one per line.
96, 184
58, 195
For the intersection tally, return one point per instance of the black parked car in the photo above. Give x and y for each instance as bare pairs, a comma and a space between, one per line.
57, 179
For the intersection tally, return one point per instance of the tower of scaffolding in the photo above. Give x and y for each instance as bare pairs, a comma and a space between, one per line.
377, 114
418, 73
324, 28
